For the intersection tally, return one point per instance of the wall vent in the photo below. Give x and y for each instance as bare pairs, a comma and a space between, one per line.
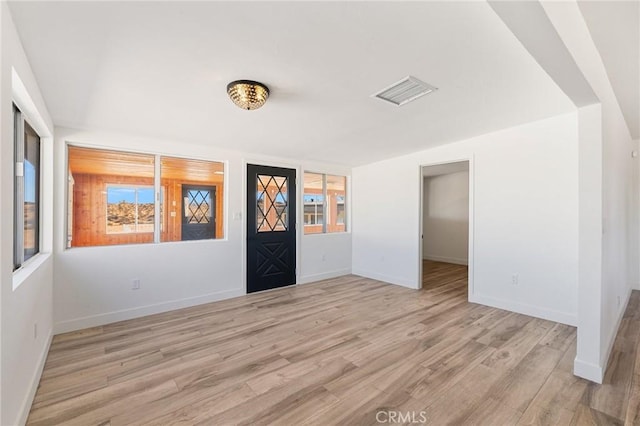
404, 91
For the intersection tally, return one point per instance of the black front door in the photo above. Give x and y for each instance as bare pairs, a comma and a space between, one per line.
198, 212
271, 227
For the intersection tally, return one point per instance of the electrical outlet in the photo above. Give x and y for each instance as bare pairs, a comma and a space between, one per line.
514, 279
135, 284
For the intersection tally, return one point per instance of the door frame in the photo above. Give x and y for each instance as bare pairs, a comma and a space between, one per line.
298, 195
470, 262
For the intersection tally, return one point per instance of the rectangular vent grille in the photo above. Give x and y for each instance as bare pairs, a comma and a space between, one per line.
404, 91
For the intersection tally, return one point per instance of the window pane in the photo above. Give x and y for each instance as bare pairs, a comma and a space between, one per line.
31, 234
130, 209
260, 209
336, 193
121, 209
309, 214
111, 196
313, 200
282, 210
146, 209
197, 206
324, 203
313, 209
272, 203
192, 199
341, 214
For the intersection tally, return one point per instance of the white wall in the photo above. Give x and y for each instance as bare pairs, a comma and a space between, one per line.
619, 203
524, 195
634, 234
93, 284
22, 354
445, 218
589, 242
324, 256
617, 223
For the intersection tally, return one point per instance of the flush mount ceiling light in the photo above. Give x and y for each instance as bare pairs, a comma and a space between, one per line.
248, 94
404, 91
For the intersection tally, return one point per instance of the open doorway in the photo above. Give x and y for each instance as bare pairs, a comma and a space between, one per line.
446, 206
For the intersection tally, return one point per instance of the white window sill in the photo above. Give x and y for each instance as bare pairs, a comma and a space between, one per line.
149, 244
29, 267
327, 233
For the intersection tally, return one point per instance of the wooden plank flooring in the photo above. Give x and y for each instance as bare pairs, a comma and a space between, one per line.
336, 352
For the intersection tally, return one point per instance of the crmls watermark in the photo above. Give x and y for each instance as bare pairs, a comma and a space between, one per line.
401, 417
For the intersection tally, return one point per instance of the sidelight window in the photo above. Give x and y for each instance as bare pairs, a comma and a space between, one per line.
324, 203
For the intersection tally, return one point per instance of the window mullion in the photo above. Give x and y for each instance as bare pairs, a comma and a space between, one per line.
135, 200
324, 202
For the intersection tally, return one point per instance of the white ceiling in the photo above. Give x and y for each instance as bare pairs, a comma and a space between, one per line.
615, 30
530, 23
161, 69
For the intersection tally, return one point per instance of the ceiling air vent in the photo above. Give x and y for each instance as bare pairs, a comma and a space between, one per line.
404, 91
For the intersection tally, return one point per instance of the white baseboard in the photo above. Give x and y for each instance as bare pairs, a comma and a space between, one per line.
386, 278
612, 336
588, 371
306, 279
454, 260
127, 314
523, 308
23, 414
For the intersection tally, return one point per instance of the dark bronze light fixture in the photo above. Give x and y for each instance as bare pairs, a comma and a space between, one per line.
248, 94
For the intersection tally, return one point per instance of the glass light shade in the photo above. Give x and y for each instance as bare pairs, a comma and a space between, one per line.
248, 94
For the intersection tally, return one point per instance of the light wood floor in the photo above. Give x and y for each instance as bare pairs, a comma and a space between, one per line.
437, 274
335, 352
